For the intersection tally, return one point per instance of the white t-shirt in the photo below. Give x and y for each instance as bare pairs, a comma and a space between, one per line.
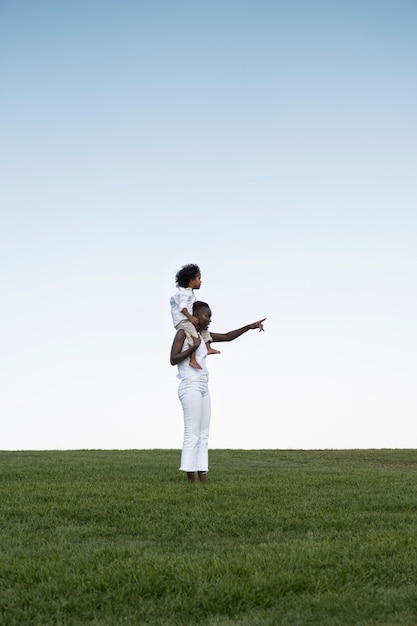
184, 298
184, 368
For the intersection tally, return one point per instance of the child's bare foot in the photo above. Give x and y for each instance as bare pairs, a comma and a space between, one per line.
212, 351
196, 365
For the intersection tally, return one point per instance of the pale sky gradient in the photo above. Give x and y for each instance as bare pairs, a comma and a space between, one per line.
274, 144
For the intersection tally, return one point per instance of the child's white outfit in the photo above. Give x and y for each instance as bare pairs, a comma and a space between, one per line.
184, 298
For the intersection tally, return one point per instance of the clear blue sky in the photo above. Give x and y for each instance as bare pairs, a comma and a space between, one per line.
272, 143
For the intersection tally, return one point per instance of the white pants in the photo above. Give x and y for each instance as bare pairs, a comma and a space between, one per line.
195, 399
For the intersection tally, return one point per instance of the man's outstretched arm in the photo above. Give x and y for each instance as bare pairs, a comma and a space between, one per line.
234, 334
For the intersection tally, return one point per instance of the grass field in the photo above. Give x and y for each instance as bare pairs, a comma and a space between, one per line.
324, 538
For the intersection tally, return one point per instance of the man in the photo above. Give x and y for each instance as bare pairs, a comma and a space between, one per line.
193, 390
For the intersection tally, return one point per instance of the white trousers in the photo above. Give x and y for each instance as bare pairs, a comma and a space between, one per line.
196, 405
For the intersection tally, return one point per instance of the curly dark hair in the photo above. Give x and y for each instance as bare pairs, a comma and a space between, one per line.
185, 274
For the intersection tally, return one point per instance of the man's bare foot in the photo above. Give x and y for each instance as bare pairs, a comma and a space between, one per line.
211, 351
196, 365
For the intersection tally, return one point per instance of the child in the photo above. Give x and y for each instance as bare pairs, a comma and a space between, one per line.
187, 279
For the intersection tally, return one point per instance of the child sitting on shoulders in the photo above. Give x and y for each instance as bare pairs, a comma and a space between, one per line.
187, 279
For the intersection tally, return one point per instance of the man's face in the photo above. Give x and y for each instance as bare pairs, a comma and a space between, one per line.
204, 318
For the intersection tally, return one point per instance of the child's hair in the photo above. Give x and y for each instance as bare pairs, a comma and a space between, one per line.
185, 274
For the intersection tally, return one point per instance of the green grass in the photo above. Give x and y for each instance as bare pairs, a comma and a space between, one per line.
324, 538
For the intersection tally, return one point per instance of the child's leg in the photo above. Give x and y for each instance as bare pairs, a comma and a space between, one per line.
191, 334
211, 350
207, 340
194, 362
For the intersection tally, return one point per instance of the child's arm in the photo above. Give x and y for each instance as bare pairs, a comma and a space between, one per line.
185, 303
191, 318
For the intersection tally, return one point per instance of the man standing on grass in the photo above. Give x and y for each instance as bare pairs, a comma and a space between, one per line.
193, 390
